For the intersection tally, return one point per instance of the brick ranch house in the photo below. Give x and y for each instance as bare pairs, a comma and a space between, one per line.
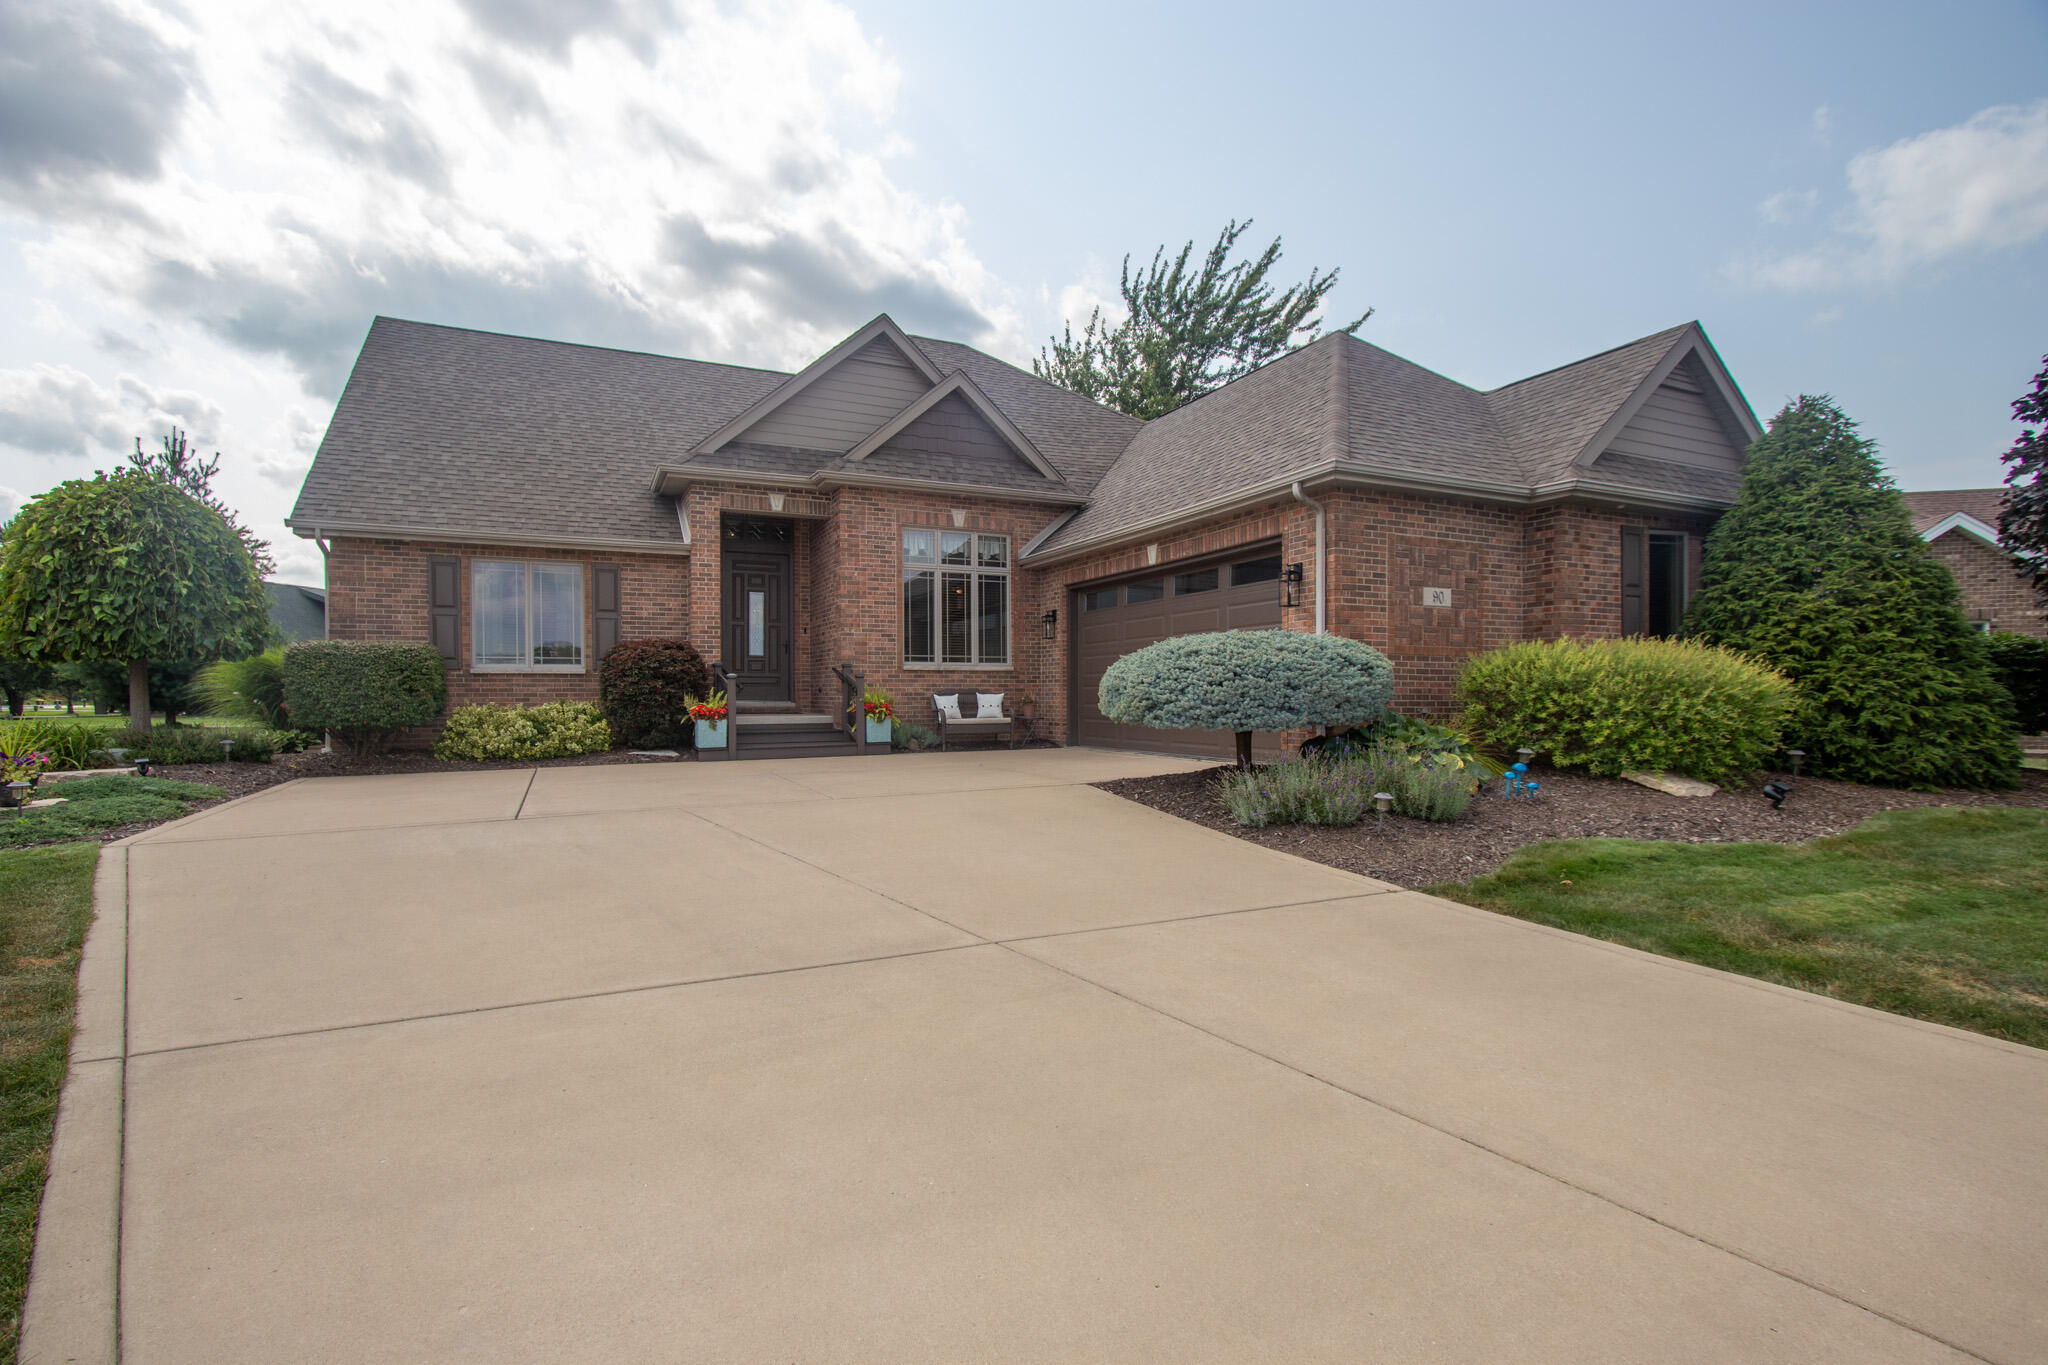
1960, 526
943, 521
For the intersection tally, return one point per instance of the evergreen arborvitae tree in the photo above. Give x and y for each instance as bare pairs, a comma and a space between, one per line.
1817, 571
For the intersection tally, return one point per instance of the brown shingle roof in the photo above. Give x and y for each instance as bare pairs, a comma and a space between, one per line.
1345, 404
1931, 508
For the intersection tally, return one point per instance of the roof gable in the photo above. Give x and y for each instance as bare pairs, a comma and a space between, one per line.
954, 421
838, 398
1983, 505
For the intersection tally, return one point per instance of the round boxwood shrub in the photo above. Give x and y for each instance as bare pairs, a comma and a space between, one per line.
556, 729
643, 687
1613, 706
1247, 680
363, 691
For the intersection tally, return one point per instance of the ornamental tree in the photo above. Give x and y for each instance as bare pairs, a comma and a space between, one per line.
1817, 571
1247, 680
126, 567
1187, 331
2023, 522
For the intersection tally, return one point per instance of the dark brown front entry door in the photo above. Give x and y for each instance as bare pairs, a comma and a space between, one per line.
757, 627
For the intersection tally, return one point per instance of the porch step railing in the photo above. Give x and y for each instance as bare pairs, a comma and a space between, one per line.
852, 687
725, 682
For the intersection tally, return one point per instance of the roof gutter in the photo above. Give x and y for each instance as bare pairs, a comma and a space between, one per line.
1337, 474
460, 536
1322, 527
671, 480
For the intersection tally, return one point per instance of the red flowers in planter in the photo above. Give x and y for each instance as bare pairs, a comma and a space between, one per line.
712, 708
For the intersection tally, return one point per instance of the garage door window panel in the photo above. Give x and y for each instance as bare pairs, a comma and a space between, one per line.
1200, 580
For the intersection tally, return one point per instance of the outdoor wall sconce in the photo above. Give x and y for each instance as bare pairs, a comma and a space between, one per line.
1290, 585
1051, 622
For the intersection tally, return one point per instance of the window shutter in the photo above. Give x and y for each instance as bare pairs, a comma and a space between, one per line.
444, 608
604, 607
1634, 569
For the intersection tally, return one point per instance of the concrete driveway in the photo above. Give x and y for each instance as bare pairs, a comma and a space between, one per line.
953, 1058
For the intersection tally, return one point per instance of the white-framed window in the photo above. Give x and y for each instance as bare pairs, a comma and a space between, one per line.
956, 598
525, 616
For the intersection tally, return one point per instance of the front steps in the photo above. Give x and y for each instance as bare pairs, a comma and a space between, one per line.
790, 734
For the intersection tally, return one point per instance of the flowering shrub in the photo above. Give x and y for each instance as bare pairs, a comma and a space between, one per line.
710, 708
67, 744
559, 729
1338, 789
1614, 705
20, 767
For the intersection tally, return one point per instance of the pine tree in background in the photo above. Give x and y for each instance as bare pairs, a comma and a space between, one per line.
1817, 570
2023, 524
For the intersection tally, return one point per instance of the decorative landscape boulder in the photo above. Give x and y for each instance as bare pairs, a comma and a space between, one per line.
1248, 680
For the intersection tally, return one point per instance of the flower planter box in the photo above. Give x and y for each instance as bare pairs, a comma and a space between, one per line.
879, 731
711, 734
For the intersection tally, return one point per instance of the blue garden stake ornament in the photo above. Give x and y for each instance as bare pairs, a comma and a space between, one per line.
1511, 780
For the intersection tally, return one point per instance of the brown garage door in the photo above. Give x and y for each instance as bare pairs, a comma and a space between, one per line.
1111, 621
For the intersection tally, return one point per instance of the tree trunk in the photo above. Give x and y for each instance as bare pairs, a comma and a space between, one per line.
14, 702
1244, 750
138, 696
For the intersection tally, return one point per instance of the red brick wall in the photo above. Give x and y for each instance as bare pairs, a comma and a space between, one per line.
1514, 573
377, 590
1994, 588
860, 570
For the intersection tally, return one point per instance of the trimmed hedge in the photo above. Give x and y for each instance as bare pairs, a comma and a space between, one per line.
2021, 663
364, 691
1618, 705
1245, 680
644, 687
557, 729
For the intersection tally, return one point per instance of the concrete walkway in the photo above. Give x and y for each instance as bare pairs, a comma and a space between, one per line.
953, 1058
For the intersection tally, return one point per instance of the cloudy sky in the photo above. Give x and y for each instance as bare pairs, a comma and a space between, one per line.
202, 205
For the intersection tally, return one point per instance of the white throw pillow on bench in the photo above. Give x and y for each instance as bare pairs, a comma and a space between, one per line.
989, 705
948, 705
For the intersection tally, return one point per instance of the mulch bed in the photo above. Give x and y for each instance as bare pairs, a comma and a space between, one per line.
1418, 853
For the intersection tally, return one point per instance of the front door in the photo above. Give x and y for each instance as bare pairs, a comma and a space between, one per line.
757, 628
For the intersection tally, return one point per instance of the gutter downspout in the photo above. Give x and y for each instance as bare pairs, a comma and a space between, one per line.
1322, 524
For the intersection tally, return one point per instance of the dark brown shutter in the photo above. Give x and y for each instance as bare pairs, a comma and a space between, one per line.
1634, 569
444, 608
604, 607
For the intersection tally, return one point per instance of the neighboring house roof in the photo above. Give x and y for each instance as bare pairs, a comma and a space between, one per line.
1973, 511
298, 612
1657, 420
446, 431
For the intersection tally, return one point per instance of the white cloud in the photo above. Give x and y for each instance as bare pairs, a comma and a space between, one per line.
712, 182
11, 500
1979, 186
55, 410
1824, 125
1788, 205
699, 177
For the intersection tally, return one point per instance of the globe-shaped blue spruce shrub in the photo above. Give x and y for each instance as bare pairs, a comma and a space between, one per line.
1247, 680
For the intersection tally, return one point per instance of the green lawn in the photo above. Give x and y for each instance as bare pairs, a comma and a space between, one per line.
1940, 913
96, 803
45, 906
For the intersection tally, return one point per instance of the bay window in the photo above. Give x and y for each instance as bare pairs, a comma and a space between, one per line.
956, 597
525, 616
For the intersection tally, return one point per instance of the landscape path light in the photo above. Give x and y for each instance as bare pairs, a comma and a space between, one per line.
142, 766
1385, 801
